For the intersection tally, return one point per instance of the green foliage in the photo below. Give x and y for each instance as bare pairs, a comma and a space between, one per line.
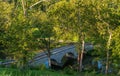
40, 67
17, 72
69, 71
115, 48
21, 35
116, 41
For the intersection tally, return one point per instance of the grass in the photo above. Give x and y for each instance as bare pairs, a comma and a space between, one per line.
17, 72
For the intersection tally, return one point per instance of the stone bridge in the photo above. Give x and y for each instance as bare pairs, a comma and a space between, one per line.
57, 54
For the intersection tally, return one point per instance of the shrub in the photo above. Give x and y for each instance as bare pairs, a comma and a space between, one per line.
40, 67
68, 70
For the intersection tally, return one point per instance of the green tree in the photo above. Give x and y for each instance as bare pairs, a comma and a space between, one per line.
115, 48
71, 17
44, 34
5, 22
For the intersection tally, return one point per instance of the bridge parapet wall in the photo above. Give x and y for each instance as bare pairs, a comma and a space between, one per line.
57, 54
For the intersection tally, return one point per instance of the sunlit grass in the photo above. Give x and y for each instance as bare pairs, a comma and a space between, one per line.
18, 72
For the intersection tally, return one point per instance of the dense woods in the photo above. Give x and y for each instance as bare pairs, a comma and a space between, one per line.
27, 26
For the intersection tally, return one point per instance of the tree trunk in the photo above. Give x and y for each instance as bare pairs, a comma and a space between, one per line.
24, 9
79, 61
24, 60
82, 52
79, 49
49, 60
81, 39
107, 53
49, 54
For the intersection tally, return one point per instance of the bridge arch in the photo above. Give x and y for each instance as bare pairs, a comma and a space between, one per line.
54, 62
70, 51
55, 65
69, 54
68, 59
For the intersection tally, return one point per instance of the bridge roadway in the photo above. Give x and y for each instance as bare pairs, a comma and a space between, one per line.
56, 54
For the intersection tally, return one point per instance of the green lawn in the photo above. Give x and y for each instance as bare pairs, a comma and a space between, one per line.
17, 72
